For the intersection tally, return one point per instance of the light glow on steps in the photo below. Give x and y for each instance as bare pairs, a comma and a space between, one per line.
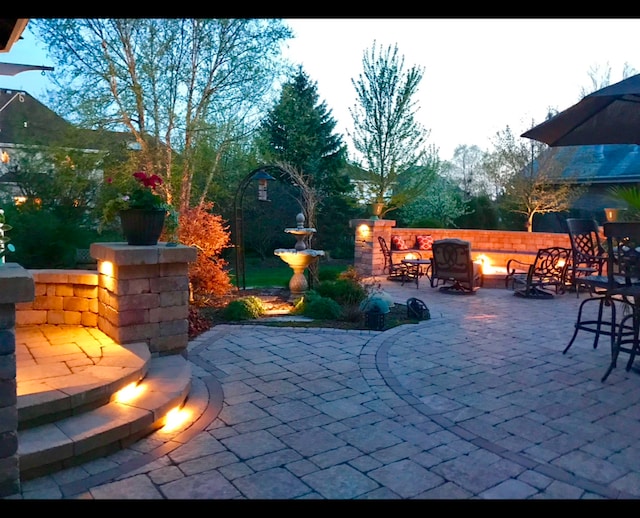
175, 418
129, 393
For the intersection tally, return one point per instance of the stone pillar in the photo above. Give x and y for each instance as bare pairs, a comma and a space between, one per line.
143, 294
368, 259
16, 285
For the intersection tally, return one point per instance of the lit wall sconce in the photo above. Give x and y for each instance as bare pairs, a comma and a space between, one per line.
611, 215
4, 157
364, 231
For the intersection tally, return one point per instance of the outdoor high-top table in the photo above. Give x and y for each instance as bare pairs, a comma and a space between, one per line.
416, 268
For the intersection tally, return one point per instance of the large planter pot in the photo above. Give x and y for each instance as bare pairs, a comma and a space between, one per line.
376, 210
141, 226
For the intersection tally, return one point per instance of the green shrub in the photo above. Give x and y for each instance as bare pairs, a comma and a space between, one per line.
300, 305
245, 308
428, 222
326, 274
344, 291
322, 308
314, 305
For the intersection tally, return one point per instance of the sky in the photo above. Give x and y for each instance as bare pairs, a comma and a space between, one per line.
479, 75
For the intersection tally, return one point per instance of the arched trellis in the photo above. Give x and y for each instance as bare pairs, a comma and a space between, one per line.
262, 175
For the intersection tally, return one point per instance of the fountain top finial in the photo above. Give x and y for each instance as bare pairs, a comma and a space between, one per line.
300, 220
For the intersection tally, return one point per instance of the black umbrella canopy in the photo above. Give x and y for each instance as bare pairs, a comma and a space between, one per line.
607, 116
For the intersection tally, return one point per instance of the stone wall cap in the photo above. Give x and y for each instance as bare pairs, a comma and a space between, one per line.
126, 255
16, 284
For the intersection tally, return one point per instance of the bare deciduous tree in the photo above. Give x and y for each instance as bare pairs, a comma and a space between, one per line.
531, 191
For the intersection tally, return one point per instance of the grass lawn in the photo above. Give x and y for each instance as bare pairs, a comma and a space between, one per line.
275, 273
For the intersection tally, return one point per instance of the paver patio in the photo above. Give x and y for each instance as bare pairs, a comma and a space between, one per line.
477, 402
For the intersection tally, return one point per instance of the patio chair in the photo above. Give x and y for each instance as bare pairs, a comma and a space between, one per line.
395, 271
534, 280
623, 272
453, 266
588, 257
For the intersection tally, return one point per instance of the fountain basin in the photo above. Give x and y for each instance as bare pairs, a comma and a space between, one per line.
298, 260
300, 234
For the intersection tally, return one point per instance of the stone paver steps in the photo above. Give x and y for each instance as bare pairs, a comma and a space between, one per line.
68, 410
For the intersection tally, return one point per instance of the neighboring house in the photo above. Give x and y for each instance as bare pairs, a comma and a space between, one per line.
598, 168
27, 126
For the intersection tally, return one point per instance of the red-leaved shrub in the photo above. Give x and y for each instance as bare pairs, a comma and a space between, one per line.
206, 232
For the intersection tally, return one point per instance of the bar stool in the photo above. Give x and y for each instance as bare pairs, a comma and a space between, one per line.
623, 267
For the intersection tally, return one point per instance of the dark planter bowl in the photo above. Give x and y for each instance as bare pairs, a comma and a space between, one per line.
141, 226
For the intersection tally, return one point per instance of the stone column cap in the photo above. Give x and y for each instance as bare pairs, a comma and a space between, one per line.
16, 284
122, 254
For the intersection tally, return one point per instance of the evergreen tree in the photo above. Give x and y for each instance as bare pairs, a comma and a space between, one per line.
300, 131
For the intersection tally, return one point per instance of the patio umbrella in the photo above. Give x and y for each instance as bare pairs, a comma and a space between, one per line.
607, 116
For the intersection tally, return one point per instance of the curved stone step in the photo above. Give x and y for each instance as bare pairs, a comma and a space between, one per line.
62, 371
66, 442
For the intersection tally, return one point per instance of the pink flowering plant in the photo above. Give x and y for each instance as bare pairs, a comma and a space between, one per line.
144, 194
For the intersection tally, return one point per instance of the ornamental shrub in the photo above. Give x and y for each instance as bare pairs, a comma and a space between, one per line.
245, 308
322, 308
344, 291
205, 231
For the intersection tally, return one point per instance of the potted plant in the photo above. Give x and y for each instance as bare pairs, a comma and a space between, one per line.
630, 196
142, 210
376, 209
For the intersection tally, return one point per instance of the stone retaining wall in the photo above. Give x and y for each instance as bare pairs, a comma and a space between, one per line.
143, 294
61, 297
498, 245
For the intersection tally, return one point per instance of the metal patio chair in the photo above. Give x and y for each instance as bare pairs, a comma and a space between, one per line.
535, 280
453, 266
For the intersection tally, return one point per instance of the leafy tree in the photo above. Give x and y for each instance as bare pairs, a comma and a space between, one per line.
386, 134
530, 191
59, 189
482, 213
440, 205
171, 83
466, 169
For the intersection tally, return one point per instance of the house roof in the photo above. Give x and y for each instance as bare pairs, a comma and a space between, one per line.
26, 121
604, 163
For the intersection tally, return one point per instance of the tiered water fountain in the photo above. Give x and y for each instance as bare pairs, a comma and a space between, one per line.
299, 257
